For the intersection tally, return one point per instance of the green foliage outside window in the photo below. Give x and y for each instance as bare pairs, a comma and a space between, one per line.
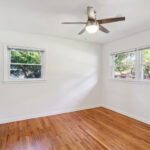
26, 57
25, 64
146, 61
124, 65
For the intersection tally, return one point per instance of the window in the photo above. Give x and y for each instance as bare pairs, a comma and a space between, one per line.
145, 53
24, 64
133, 65
124, 65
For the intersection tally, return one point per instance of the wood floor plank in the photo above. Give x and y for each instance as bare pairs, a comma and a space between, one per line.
92, 129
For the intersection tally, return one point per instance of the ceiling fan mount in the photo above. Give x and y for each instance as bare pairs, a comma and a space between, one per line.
93, 25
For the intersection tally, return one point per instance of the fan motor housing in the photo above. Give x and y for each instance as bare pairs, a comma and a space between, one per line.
92, 23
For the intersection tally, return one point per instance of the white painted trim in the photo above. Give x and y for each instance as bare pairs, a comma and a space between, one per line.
124, 51
6, 63
52, 112
126, 114
23, 81
67, 110
25, 48
130, 81
140, 48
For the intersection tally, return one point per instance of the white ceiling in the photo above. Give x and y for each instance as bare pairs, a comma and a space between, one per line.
45, 17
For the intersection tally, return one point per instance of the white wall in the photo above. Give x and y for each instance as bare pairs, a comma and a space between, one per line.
78, 77
130, 98
72, 78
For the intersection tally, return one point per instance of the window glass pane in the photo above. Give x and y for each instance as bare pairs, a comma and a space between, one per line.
146, 71
124, 59
146, 56
25, 71
125, 72
26, 57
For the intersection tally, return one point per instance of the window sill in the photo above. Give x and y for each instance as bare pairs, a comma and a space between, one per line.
25, 81
134, 81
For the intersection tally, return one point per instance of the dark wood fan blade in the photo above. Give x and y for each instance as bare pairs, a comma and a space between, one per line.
103, 29
110, 20
82, 31
91, 13
74, 22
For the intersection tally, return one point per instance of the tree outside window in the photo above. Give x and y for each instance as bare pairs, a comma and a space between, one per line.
25, 64
146, 64
124, 65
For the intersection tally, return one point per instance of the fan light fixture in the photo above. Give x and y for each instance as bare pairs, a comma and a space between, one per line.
92, 27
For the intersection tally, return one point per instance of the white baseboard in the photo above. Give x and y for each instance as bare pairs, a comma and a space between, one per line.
67, 110
52, 112
127, 114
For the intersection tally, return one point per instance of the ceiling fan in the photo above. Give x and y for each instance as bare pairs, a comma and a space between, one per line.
93, 25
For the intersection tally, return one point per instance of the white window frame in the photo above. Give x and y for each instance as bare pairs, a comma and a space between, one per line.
7, 62
138, 66
113, 66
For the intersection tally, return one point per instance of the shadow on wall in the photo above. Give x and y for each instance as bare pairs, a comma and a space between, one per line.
75, 93
72, 77
77, 77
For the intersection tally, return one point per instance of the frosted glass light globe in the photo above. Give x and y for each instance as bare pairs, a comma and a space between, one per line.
92, 27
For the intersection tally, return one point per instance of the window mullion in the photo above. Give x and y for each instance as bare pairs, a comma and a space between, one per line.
25, 64
9, 68
141, 65
112, 67
137, 66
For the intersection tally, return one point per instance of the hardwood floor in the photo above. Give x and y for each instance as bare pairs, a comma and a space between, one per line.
93, 129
